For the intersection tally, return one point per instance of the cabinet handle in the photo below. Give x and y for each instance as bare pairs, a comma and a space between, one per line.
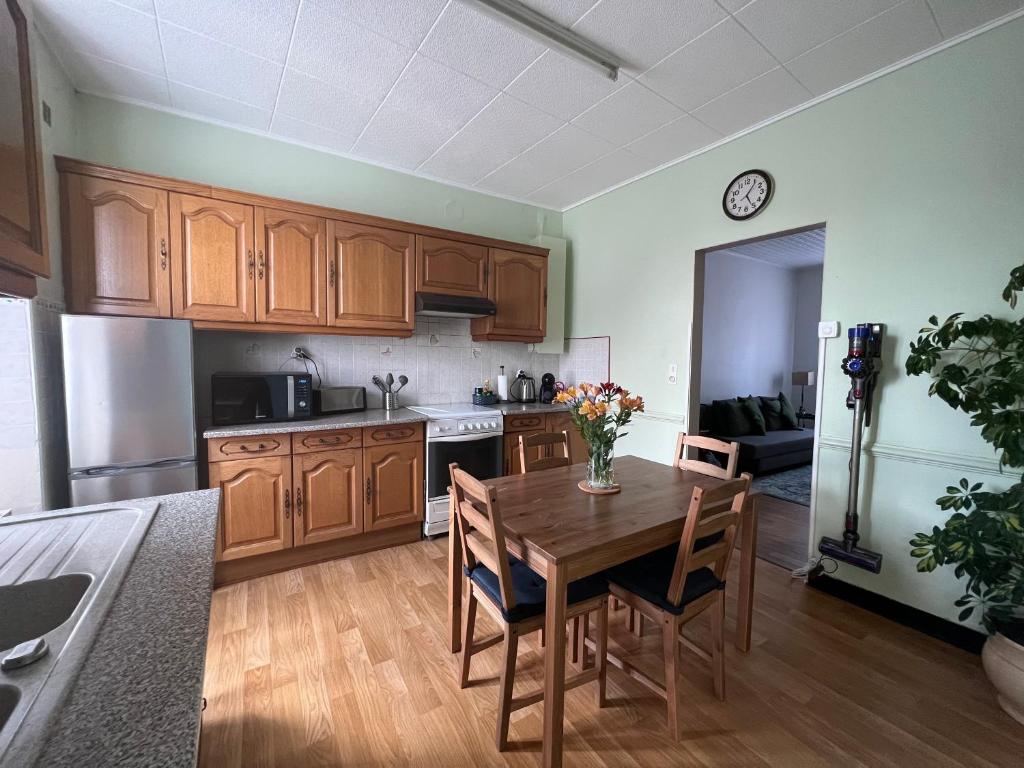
487, 271
367, 490
331, 273
252, 264
263, 264
298, 502
163, 254
287, 504
243, 448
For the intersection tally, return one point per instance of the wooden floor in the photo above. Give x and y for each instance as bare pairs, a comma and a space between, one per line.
344, 663
782, 532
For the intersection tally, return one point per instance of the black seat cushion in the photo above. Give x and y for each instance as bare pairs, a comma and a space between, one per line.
649, 577
530, 590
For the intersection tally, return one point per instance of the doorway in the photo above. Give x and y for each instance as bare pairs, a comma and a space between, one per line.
755, 376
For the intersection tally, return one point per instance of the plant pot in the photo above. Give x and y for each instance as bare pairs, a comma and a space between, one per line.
1003, 661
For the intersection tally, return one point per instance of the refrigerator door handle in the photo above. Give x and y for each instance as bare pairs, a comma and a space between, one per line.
121, 469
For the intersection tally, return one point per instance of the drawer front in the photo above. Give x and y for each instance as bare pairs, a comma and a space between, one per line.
393, 433
307, 442
228, 448
522, 423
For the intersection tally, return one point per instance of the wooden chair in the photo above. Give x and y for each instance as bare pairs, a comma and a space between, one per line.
541, 440
515, 597
731, 451
677, 583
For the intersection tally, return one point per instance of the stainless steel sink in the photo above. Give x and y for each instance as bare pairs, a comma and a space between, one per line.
59, 573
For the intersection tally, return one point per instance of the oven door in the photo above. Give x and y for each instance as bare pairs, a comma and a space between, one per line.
480, 455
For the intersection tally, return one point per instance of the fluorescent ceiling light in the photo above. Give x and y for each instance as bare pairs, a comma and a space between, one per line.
545, 31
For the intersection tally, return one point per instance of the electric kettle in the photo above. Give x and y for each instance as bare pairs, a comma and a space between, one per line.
523, 389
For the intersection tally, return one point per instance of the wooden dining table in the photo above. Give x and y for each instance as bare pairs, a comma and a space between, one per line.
564, 534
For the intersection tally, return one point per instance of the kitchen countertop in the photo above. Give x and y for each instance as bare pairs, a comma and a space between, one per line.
137, 697
376, 417
511, 409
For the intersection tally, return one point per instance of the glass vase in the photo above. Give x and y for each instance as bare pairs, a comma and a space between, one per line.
600, 473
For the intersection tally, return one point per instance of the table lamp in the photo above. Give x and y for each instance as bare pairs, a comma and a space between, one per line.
803, 379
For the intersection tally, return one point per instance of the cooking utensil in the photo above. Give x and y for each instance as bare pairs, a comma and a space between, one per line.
402, 381
390, 381
379, 383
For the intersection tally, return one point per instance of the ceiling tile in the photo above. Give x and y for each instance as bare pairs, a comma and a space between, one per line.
345, 54
501, 131
262, 27
628, 114
105, 78
716, 62
768, 95
404, 21
412, 138
438, 94
564, 151
143, 6
215, 107
733, 5
466, 39
674, 140
103, 29
562, 87
222, 69
398, 156
642, 34
307, 133
564, 12
788, 28
594, 178
905, 30
956, 16
313, 101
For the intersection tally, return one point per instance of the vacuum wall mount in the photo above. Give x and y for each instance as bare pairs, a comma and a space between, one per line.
862, 364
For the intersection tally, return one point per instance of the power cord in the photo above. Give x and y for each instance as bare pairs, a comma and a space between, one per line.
305, 358
816, 567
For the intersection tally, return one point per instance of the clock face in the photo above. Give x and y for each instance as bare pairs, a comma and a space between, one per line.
747, 195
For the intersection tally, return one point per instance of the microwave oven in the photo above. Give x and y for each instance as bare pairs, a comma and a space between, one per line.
252, 398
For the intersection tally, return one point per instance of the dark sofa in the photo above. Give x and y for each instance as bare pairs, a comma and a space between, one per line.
760, 454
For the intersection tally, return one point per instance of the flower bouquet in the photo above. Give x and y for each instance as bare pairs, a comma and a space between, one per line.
599, 411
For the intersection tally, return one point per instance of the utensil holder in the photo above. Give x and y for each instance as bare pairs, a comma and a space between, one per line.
390, 400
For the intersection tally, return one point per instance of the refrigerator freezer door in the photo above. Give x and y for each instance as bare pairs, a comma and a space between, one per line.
128, 390
104, 486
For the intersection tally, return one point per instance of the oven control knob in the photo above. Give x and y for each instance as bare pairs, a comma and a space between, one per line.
462, 427
478, 425
492, 425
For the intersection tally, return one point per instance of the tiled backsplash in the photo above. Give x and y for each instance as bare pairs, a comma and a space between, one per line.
441, 359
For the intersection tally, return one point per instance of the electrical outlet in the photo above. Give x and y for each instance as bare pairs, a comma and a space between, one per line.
673, 373
46, 114
828, 329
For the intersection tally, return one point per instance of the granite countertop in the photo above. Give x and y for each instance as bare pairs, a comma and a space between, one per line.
376, 417
511, 409
137, 697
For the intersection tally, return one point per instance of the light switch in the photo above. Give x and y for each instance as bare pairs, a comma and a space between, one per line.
828, 329
673, 373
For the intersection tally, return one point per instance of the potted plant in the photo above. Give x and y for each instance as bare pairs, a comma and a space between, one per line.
599, 412
977, 366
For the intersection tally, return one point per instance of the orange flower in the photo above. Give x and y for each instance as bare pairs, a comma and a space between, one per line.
572, 392
632, 404
563, 397
601, 408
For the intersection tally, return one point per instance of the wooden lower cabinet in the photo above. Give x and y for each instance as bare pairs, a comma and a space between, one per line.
255, 506
394, 485
536, 424
559, 422
328, 498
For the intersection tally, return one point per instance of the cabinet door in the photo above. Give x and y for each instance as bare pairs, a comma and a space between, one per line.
255, 506
517, 284
393, 485
371, 277
291, 268
115, 247
448, 266
328, 495
212, 259
562, 422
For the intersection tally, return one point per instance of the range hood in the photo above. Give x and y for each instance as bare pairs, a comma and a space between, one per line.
443, 305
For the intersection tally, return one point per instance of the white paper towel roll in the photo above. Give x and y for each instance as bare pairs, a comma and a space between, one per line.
503, 387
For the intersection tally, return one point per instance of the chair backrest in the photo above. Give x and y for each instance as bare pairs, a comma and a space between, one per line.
685, 442
527, 444
700, 525
481, 531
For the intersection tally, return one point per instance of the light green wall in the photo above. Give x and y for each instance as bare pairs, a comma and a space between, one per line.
920, 178
159, 142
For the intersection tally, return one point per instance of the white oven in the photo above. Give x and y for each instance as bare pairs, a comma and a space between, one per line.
470, 436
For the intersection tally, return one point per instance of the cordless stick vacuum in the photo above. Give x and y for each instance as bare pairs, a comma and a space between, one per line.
862, 364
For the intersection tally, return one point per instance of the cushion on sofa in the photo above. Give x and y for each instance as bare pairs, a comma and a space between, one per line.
731, 418
778, 413
752, 409
776, 443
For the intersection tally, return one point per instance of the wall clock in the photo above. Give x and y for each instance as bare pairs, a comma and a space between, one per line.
747, 195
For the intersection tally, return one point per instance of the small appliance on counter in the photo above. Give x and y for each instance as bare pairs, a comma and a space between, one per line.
389, 395
523, 389
331, 400
547, 388
250, 398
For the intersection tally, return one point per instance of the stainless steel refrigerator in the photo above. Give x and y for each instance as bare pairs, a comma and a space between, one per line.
130, 407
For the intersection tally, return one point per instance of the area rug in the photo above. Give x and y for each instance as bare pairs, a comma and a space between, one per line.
790, 484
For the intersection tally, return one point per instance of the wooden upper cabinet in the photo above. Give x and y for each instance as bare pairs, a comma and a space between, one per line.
291, 268
255, 506
451, 267
116, 247
212, 260
518, 285
328, 495
394, 485
370, 280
